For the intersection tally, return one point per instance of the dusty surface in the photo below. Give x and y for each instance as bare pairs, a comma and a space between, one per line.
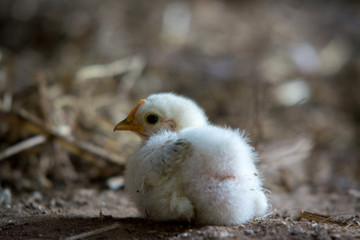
61, 216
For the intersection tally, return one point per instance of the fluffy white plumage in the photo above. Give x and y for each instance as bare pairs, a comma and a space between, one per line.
189, 170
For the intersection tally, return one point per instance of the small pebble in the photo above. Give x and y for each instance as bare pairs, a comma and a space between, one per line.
185, 235
5, 198
224, 234
115, 183
36, 196
336, 236
249, 232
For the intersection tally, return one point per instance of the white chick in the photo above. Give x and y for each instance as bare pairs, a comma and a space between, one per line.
189, 170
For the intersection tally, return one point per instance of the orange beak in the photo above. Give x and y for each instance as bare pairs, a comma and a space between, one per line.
129, 123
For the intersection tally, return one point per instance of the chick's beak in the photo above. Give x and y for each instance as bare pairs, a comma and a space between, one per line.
129, 122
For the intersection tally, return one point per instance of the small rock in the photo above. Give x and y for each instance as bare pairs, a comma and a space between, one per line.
56, 202
224, 234
336, 236
115, 183
103, 216
5, 198
185, 234
36, 197
249, 232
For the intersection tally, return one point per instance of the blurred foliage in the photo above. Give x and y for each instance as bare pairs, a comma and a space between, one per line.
286, 71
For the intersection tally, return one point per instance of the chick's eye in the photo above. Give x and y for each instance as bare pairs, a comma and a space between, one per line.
152, 118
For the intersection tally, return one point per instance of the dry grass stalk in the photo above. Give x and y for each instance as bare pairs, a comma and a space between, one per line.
94, 232
325, 219
80, 148
22, 146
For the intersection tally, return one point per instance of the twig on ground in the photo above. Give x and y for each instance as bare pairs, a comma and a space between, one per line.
44, 99
94, 232
104, 70
75, 146
22, 146
325, 219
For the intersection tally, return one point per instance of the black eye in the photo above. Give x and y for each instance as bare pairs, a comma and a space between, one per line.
152, 118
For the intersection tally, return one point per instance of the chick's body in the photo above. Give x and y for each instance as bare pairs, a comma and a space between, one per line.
202, 173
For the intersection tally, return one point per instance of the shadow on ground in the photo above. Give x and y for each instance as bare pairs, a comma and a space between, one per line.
71, 228
49, 227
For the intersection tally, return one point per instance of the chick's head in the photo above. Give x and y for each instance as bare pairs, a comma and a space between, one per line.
163, 111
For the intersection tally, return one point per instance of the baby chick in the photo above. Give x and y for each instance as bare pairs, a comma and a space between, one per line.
189, 170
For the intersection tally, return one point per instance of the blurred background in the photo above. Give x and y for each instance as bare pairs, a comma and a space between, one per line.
287, 72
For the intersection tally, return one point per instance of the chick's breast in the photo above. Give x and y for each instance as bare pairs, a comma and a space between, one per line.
153, 182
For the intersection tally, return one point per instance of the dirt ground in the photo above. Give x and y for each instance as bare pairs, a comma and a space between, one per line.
109, 215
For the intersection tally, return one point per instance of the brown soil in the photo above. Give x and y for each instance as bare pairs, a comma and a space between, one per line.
109, 215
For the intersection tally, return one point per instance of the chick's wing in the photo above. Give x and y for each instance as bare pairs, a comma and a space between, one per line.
172, 155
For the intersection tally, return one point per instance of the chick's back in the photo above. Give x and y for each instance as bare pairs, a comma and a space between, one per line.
220, 176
